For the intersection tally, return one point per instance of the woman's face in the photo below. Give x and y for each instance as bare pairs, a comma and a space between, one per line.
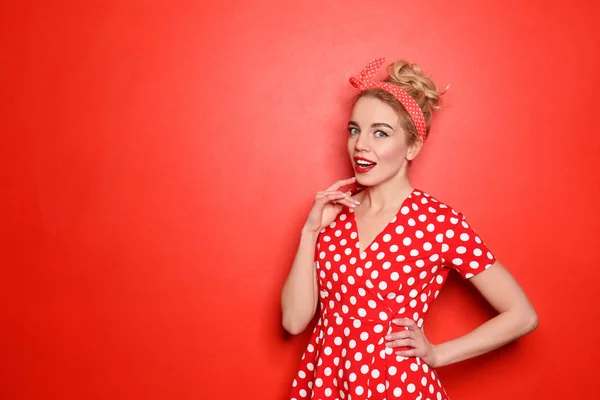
377, 143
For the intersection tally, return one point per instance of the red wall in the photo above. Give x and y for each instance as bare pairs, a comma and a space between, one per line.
158, 161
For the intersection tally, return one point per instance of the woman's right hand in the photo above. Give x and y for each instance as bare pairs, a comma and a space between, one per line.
327, 206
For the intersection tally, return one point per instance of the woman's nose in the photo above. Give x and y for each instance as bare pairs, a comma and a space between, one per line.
362, 142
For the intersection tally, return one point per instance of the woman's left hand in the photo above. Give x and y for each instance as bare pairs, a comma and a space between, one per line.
412, 336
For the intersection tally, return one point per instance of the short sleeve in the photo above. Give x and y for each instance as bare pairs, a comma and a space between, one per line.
463, 250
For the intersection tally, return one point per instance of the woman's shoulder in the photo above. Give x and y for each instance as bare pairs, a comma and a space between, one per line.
427, 202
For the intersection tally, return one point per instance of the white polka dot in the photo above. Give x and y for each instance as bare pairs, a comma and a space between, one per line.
411, 388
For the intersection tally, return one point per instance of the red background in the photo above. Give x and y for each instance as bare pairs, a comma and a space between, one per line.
158, 160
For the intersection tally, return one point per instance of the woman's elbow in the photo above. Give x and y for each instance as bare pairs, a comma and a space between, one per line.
292, 326
529, 321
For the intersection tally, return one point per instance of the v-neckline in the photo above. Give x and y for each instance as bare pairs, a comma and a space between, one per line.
385, 228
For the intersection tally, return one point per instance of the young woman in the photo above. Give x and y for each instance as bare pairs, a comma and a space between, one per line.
376, 260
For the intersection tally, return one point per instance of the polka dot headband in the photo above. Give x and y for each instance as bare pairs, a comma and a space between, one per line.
365, 82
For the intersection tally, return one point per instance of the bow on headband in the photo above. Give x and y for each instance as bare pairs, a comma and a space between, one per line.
365, 82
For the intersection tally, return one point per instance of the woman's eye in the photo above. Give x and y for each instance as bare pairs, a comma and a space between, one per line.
353, 131
381, 134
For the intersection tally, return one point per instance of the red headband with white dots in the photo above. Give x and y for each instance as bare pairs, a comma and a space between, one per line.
366, 81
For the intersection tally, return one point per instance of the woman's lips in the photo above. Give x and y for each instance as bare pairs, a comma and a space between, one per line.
364, 165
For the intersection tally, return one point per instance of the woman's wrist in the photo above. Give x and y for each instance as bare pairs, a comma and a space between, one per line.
309, 233
436, 361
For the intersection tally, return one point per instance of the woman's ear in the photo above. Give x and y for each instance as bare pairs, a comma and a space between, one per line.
414, 149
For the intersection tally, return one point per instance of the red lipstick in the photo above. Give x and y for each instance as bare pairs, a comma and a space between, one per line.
363, 165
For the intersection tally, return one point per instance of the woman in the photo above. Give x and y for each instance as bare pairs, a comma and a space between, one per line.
376, 260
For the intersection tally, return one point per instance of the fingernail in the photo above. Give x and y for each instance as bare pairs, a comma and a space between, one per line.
388, 337
357, 202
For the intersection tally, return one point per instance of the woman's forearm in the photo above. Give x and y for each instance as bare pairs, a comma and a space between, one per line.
300, 291
498, 331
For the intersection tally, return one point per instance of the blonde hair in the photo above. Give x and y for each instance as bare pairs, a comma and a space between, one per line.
421, 87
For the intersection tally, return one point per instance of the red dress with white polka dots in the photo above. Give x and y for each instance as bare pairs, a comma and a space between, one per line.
397, 276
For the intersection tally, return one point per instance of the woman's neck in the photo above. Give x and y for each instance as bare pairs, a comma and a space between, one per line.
387, 195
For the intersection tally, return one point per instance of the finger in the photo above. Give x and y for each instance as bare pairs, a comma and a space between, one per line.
343, 196
341, 183
403, 334
324, 193
345, 203
331, 196
406, 322
407, 353
402, 343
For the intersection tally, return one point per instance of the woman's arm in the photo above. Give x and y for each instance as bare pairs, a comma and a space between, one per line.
516, 318
300, 292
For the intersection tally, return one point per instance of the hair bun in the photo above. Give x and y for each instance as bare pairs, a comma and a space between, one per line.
421, 87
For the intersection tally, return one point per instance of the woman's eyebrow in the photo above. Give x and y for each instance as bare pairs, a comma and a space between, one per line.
375, 125
381, 124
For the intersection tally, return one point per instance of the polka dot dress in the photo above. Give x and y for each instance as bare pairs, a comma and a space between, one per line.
397, 276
